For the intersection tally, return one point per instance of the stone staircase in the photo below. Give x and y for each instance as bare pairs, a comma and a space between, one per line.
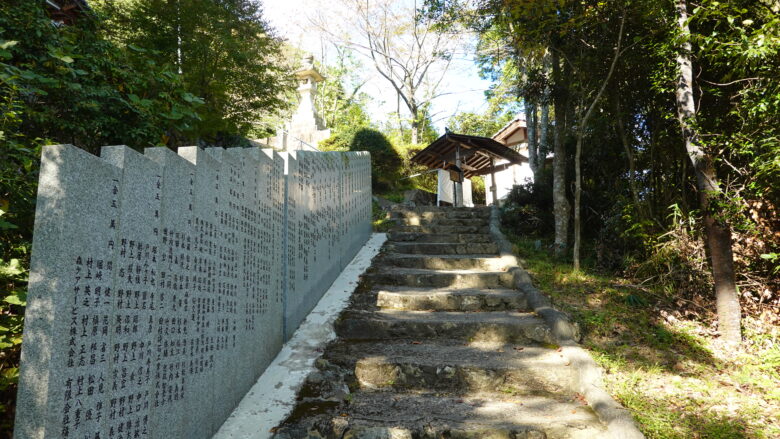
437, 344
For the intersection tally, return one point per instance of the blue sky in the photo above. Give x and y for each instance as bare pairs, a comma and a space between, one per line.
462, 87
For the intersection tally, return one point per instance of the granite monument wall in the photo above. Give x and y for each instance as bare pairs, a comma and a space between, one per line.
326, 204
162, 285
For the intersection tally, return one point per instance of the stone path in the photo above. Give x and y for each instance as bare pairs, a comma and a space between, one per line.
437, 344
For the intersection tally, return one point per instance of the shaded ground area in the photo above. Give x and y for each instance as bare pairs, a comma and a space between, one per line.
659, 355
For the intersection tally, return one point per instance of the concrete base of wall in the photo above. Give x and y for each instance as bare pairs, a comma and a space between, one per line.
272, 398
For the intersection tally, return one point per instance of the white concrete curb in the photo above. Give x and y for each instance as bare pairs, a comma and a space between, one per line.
272, 398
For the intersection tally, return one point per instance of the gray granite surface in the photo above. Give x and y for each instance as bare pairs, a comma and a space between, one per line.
162, 285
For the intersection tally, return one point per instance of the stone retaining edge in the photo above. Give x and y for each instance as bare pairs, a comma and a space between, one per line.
620, 424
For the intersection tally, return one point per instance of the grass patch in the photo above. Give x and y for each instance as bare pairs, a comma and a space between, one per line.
662, 365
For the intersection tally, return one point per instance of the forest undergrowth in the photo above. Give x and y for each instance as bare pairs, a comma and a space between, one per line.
659, 349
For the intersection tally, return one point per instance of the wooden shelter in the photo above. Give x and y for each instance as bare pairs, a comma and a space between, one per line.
467, 156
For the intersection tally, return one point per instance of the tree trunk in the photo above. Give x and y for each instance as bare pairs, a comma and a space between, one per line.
530, 123
415, 124
717, 229
544, 123
578, 192
415, 130
624, 138
544, 142
582, 122
560, 203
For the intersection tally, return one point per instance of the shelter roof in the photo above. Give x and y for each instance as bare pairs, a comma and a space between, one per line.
476, 154
513, 132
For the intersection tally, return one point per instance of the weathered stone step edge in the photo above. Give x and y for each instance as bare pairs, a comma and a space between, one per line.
449, 351
462, 238
459, 368
450, 299
439, 208
441, 214
379, 373
443, 248
436, 229
479, 222
441, 278
446, 262
426, 415
495, 326
423, 271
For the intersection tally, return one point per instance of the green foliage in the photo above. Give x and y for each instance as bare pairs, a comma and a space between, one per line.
634, 161
13, 276
386, 164
474, 124
13, 298
223, 51
658, 362
86, 84
527, 209
339, 99
379, 219
69, 84
525, 219
739, 43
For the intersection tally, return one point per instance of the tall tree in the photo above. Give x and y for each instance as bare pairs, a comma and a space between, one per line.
561, 206
225, 52
339, 98
717, 229
408, 52
531, 124
582, 125
536, 95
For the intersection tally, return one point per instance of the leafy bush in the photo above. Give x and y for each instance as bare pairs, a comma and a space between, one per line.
528, 209
68, 84
385, 162
223, 51
677, 264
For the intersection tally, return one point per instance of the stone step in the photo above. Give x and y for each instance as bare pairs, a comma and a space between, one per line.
416, 277
456, 368
443, 248
448, 299
463, 238
443, 208
417, 221
382, 415
492, 326
446, 262
432, 214
436, 228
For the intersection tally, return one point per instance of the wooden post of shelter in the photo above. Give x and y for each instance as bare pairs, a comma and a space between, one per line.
458, 186
493, 186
